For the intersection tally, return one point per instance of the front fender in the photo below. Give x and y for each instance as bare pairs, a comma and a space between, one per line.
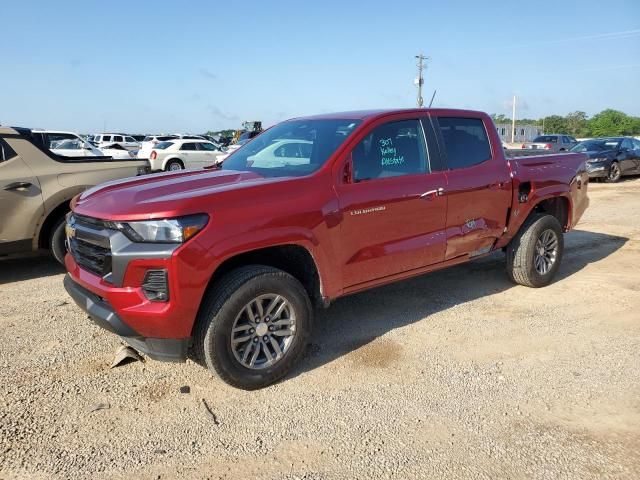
226, 248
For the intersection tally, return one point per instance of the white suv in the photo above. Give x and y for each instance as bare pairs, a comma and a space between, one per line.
126, 141
178, 154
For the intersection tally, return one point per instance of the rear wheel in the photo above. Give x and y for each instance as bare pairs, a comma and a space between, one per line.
56, 241
174, 166
614, 173
253, 326
534, 255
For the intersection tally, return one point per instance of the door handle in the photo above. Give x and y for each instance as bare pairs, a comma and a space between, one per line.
438, 192
18, 186
496, 186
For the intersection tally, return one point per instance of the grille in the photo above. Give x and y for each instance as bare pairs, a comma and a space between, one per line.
94, 258
90, 245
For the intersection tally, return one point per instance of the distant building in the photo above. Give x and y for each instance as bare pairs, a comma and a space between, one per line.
524, 133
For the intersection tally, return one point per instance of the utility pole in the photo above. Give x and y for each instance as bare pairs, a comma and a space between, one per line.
419, 81
513, 121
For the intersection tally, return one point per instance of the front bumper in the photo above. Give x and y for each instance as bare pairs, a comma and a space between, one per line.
103, 315
598, 170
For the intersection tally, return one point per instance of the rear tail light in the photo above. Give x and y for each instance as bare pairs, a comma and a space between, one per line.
155, 286
523, 146
548, 146
153, 155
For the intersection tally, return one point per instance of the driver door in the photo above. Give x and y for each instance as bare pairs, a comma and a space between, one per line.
392, 204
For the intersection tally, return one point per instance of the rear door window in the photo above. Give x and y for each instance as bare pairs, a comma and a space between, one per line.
465, 141
117, 138
391, 150
188, 147
209, 147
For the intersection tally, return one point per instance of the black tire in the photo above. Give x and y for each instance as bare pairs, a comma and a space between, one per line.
57, 241
176, 164
614, 174
222, 305
522, 251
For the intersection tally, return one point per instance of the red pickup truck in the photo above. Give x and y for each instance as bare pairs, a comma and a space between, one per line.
226, 264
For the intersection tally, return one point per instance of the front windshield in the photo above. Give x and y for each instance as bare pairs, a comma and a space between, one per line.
596, 145
66, 141
291, 149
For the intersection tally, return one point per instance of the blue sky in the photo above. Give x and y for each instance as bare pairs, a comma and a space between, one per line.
193, 66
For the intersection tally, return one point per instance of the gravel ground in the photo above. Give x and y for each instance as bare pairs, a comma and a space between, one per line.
455, 374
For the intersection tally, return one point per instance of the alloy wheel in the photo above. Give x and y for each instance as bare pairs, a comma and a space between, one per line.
263, 331
614, 172
546, 252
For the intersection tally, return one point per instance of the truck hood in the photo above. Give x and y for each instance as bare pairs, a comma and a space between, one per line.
162, 195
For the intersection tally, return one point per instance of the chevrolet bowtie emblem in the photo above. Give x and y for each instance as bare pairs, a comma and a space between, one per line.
70, 230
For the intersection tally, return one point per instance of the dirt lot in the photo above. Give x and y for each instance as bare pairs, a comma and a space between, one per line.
455, 374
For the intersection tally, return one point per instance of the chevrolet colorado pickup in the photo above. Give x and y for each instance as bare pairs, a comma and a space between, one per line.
37, 182
225, 265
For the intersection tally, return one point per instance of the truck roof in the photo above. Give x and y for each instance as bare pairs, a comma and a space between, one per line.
369, 114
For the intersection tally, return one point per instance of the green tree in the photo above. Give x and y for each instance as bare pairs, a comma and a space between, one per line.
612, 122
500, 118
555, 124
577, 124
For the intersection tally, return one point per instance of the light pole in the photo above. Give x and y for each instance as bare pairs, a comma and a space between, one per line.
513, 121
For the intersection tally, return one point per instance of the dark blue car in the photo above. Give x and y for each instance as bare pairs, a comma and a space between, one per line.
612, 157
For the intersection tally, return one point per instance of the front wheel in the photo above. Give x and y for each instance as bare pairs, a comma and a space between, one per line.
56, 241
614, 173
534, 255
253, 326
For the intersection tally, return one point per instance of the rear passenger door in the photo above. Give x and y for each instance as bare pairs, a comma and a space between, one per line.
628, 157
636, 153
189, 155
478, 186
21, 203
393, 213
207, 153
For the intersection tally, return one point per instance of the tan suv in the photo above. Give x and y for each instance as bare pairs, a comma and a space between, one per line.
36, 186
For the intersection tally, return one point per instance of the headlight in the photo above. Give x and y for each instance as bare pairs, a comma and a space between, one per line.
169, 230
596, 160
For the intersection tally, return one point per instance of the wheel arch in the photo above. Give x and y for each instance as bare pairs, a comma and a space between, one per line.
49, 222
558, 207
292, 258
166, 161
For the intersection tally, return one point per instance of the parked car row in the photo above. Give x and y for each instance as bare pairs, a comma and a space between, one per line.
611, 158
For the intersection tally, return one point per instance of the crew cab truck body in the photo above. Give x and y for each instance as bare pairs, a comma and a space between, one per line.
225, 265
36, 186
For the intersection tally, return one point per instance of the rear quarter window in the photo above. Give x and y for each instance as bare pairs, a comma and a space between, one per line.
465, 141
6, 152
